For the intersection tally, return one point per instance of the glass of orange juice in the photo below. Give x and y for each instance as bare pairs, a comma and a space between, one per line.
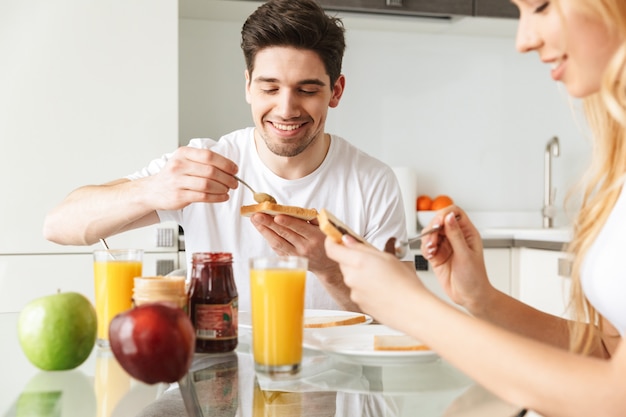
114, 273
277, 299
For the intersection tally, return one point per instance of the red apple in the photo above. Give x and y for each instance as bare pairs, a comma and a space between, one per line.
153, 342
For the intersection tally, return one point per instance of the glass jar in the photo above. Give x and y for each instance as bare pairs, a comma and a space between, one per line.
169, 289
213, 302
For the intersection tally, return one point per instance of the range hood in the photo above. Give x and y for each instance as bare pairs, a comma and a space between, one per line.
438, 9
432, 9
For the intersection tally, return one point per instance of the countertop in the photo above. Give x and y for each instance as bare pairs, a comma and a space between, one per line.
513, 230
546, 239
536, 238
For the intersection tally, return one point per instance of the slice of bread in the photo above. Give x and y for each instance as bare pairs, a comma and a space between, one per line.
315, 322
275, 209
397, 342
335, 228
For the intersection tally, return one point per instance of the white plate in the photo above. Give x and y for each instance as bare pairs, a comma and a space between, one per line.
245, 320
355, 344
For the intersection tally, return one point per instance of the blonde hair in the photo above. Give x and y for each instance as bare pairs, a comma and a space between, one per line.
602, 183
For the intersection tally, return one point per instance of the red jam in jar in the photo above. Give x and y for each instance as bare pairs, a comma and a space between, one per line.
213, 302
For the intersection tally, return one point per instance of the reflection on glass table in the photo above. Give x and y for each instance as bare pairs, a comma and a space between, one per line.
111, 392
226, 385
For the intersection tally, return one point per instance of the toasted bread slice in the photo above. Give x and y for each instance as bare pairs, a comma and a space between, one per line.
397, 342
335, 228
275, 209
315, 322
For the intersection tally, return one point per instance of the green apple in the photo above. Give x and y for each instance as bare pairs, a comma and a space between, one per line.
57, 332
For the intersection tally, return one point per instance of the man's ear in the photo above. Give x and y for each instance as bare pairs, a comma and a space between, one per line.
247, 87
338, 88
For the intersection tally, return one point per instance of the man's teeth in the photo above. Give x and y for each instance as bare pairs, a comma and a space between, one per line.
286, 127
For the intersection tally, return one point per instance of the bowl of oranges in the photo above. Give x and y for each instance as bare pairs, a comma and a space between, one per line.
427, 207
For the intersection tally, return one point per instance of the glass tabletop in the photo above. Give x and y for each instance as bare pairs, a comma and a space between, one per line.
227, 385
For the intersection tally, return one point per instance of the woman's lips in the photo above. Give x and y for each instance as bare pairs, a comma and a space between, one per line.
558, 68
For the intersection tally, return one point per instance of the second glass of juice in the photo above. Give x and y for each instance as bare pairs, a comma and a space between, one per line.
277, 287
114, 273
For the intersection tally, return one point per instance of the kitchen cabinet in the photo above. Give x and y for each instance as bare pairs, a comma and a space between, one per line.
495, 8
497, 262
541, 279
439, 8
89, 94
81, 103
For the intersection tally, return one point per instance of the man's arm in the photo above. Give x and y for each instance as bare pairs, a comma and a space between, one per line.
98, 211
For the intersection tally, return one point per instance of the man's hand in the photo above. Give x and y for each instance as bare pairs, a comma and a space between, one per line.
291, 236
192, 175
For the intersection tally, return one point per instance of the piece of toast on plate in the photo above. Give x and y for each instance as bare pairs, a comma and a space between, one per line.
397, 342
275, 209
316, 322
335, 228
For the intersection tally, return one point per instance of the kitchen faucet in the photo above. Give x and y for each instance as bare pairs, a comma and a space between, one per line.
549, 193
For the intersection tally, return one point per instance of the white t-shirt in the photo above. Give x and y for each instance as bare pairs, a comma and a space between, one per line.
603, 273
359, 189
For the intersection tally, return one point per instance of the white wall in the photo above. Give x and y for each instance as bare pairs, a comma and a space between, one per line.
88, 93
454, 100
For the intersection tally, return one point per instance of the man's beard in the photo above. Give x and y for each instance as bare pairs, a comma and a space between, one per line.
289, 150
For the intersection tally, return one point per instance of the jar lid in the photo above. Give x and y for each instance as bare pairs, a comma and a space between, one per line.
172, 284
212, 257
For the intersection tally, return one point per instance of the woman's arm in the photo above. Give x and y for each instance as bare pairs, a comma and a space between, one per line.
519, 369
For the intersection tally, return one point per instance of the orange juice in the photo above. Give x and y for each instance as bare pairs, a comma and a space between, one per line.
114, 281
277, 297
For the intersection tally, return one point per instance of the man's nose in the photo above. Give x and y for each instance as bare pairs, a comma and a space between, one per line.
288, 105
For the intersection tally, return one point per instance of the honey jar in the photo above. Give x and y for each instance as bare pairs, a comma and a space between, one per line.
164, 289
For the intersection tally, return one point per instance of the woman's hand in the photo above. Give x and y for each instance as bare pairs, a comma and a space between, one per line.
456, 254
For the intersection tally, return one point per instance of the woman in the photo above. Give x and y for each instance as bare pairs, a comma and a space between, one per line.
542, 362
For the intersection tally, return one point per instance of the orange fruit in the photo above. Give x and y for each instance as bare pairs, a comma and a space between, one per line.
440, 202
423, 202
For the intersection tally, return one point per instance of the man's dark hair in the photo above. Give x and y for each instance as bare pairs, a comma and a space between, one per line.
300, 24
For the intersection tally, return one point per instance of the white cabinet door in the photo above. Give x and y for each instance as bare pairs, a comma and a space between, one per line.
539, 282
497, 262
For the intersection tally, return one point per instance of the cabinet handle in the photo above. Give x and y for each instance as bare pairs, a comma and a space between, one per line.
394, 3
564, 268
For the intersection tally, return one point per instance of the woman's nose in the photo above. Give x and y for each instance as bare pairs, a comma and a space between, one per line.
527, 38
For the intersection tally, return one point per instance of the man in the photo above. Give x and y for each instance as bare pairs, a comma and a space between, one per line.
293, 53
